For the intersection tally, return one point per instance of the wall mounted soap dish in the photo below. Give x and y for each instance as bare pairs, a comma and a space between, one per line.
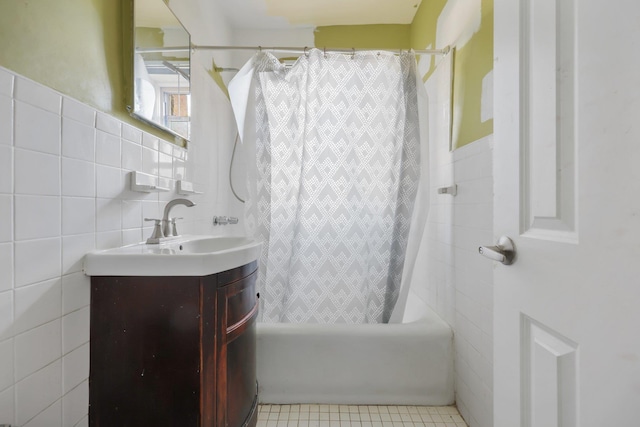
145, 183
185, 188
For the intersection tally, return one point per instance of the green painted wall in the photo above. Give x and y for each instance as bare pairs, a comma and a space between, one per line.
423, 30
384, 36
81, 48
472, 62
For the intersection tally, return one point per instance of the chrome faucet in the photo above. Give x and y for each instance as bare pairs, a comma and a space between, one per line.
169, 224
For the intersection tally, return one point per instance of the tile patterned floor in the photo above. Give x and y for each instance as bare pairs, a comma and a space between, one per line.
358, 416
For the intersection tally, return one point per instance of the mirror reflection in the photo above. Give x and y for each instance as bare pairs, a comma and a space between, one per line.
161, 68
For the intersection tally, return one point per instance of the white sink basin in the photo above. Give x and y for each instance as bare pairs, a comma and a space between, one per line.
183, 256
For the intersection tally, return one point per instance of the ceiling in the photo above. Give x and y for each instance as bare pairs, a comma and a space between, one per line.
285, 14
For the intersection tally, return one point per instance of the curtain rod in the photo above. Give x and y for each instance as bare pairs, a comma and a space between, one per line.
442, 51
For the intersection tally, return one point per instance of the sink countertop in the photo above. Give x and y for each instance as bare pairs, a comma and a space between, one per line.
198, 255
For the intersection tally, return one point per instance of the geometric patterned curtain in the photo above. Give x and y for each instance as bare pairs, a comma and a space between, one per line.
338, 164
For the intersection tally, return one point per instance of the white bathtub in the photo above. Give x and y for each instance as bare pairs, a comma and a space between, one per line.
402, 363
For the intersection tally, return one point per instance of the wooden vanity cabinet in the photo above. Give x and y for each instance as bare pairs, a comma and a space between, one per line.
174, 351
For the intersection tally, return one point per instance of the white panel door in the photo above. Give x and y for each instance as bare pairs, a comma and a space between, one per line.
567, 191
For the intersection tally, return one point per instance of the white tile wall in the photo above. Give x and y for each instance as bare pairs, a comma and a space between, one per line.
47, 254
109, 183
6, 120
50, 417
73, 249
74, 404
75, 292
150, 141
109, 214
37, 95
461, 282
71, 185
6, 359
37, 392
131, 214
36, 217
6, 169
132, 236
63, 193
165, 162
75, 366
474, 281
37, 304
79, 112
47, 338
132, 134
6, 315
36, 173
108, 239
78, 139
131, 156
149, 161
108, 124
108, 149
75, 329
45, 137
6, 266
7, 405
78, 215
6, 217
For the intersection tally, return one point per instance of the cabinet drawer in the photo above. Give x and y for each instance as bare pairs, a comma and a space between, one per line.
241, 304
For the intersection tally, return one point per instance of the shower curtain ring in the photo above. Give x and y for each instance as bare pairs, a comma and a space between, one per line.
325, 52
353, 53
305, 52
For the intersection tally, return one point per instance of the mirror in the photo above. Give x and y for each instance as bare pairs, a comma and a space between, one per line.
161, 69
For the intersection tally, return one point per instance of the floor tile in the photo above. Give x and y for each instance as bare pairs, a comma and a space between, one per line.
309, 415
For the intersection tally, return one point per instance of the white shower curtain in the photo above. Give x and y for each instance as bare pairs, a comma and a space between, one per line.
335, 140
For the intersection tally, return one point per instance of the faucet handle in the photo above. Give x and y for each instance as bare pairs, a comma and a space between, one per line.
172, 221
220, 220
157, 231
224, 220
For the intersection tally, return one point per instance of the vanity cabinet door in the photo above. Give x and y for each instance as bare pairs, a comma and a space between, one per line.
145, 352
237, 388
